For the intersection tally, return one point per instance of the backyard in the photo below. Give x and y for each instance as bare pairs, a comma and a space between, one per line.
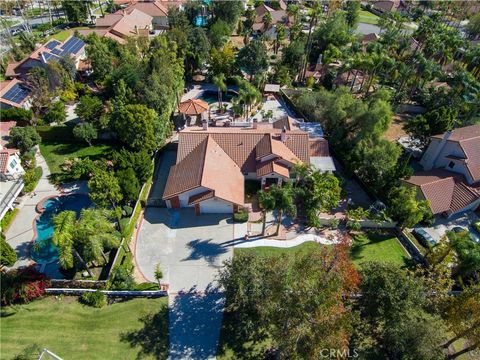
131, 329
377, 246
368, 18
56, 151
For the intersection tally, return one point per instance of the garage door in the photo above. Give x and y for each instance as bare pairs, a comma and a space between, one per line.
215, 206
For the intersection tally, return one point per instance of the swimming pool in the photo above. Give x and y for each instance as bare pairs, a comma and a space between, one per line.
43, 251
212, 96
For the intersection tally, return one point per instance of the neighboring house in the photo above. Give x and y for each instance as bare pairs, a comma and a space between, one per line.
11, 170
451, 177
368, 38
122, 25
14, 93
278, 17
53, 50
384, 6
353, 79
213, 163
157, 9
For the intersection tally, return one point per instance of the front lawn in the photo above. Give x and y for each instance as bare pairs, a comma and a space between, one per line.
65, 34
367, 17
378, 247
126, 330
274, 251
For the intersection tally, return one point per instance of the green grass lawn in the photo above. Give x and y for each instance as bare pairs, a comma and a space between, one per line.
273, 251
64, 34
368, 18
378, 247
127, 330
56, 153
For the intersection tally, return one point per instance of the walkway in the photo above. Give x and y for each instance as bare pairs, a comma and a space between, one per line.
20, 233
190, 251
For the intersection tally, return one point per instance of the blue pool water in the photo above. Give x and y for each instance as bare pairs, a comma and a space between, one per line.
212, 96
201, 21
45, 251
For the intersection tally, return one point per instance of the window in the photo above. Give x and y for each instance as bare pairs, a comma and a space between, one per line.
13, 164
451, 165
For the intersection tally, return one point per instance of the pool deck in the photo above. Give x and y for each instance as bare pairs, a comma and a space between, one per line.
21, 232
198, 89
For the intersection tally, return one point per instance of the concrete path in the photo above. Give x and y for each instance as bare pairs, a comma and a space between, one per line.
190, 250
256, 242
20, 233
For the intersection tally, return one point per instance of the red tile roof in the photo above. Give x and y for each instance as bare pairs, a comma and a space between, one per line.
207, 165
240, 144
468, 138
4, 156
318, 147
272, 166
446, 192
195, 199
5, 127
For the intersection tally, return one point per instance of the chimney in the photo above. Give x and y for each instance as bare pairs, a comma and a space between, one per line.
255, 123
284, 134
205, 125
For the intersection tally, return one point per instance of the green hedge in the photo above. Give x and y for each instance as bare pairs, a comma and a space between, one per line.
62, 134
8, 218
31, 179
241, 216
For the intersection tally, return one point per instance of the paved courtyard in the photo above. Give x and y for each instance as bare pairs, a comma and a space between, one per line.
190, 250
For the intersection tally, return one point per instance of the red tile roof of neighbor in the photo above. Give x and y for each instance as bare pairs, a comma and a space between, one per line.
207, 165
152, 8
446, 192
5, 127
468, 138
4, 156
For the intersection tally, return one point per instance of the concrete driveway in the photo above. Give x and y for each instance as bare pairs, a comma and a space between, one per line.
442, 225
190, 250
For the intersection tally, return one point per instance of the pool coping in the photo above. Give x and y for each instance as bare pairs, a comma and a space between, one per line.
40, 211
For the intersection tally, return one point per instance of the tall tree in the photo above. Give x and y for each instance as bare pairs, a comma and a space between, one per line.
219, 82
406, 208
253, 58
104, 189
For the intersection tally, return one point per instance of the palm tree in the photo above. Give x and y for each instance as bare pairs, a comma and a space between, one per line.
219, 82
95, 233
267, 203
267, 20
64, 237
284, 201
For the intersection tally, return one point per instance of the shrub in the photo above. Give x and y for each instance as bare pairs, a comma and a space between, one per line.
56, 113
24, 138
122, 279
128, 210
22, 285
476, 225
241, 216
8, 218
96, 299
31, 178
7, 254
21, 116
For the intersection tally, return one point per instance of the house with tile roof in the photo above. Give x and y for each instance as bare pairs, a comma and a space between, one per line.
122, 25
279, 16
14, 93
157, 9
53, 50
451, 177
214, 162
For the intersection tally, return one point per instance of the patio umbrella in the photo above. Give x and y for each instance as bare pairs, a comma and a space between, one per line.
193, 107
198, 78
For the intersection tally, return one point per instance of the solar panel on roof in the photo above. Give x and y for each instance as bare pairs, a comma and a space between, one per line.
56, 51
16, 94
72, 46
52, 44
49, 56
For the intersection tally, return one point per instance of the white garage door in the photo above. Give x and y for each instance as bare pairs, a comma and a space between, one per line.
215, 206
